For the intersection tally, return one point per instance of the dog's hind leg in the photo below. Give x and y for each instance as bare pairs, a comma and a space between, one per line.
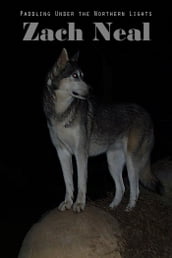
116, 162
133, 168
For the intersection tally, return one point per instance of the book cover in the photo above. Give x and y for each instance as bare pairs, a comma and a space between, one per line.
125, 56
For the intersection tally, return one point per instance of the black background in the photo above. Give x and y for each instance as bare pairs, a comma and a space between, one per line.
139, 72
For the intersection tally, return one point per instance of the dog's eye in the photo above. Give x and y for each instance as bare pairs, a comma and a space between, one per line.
75, 75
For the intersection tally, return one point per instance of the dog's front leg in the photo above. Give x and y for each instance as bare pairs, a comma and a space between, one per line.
66, 163
82, 161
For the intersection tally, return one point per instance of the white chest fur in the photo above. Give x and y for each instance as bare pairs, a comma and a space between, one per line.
65, 137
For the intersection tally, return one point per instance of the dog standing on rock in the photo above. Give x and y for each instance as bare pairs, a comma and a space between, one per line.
81, 127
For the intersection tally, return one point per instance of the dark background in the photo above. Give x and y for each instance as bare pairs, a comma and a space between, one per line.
139, 72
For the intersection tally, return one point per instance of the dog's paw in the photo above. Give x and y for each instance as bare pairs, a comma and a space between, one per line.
129, 208
78, 207
65, 205
113, 205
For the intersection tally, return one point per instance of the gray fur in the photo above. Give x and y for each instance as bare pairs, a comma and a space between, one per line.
81, 127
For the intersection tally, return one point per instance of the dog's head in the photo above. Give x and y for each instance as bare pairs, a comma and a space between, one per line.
66, 76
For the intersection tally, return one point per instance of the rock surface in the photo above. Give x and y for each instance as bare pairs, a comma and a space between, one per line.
92, 233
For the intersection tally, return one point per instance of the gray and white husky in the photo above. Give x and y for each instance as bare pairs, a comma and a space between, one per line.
79, 126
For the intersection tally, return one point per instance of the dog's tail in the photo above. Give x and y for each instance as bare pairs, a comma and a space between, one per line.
150, 181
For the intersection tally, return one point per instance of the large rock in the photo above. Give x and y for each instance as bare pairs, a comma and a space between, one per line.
92, 233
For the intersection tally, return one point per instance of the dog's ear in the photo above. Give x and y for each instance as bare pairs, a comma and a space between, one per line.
60, 63
75, 57
63, 59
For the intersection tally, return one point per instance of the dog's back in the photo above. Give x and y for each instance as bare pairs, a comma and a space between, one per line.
117, 122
